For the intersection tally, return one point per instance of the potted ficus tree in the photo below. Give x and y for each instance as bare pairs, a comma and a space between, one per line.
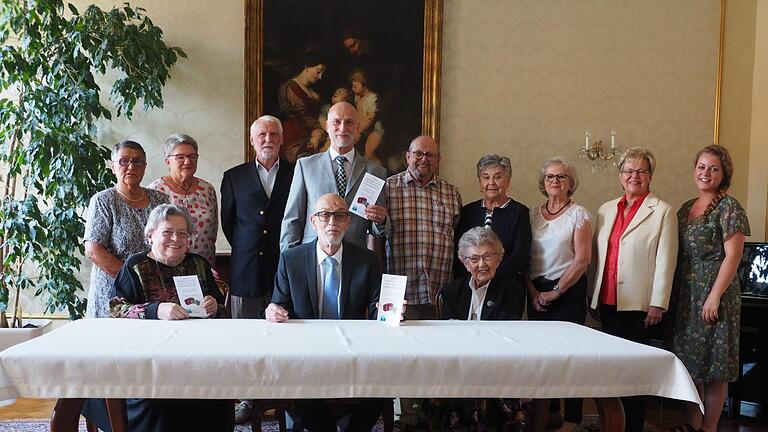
52, 58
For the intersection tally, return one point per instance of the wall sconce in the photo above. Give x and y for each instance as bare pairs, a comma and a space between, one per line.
596, 154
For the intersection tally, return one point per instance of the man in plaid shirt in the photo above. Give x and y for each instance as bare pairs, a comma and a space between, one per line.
424, 210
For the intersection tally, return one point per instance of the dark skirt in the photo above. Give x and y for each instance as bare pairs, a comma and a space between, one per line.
571, 306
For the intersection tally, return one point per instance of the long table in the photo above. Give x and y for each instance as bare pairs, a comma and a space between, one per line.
254, 359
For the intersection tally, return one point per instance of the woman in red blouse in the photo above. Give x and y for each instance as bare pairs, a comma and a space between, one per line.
636, 243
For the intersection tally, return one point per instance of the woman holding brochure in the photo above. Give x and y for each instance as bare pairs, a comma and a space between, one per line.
146, 285
147, 289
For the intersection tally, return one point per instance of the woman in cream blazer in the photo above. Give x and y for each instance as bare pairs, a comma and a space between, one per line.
635, 246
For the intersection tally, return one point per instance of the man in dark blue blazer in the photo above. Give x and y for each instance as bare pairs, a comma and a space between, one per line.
328, 278
253, 197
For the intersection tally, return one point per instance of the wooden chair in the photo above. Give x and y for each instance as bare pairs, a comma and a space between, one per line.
439, 300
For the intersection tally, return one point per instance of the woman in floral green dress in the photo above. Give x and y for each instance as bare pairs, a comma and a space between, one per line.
706, 303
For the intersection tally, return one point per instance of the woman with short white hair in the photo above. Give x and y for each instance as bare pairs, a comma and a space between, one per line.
507, 217
483, 293
193, 193
146, 289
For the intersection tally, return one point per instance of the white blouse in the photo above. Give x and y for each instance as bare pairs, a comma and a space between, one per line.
552, 246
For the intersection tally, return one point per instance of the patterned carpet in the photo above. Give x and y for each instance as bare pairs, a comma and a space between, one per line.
42, 425
590, 423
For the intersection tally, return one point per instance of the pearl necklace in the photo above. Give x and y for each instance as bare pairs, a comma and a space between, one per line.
128, 198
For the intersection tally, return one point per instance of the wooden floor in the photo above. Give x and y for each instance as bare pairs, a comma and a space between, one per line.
28, 408
665, 414
663, 417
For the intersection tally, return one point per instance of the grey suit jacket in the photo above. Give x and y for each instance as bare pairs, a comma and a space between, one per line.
313, 178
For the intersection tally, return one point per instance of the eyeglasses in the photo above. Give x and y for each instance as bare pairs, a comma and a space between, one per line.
559, 177
639, 172
179, 234
420, 154
325, 216
124, 162
181, 157
487, 258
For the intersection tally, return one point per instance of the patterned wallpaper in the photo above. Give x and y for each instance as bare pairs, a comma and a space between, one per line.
525, 79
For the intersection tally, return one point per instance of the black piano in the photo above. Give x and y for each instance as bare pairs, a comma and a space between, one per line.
753, 275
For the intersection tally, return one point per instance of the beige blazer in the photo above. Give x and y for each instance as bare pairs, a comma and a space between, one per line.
647, 255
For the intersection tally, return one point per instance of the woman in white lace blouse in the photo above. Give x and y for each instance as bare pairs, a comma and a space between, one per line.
560, 253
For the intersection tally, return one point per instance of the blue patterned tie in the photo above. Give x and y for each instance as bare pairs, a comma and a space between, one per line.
341, 175
331, 289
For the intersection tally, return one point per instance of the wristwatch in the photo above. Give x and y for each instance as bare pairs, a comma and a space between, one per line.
556, 289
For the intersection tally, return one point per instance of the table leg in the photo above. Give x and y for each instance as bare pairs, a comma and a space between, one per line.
611, 414
118, 417
66, 415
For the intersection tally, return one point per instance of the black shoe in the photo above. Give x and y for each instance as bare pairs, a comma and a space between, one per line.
243, 412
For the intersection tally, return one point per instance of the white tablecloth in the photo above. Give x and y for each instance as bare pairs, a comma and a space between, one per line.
121, 358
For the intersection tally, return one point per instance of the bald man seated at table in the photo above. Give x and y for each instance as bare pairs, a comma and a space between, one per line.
328, 278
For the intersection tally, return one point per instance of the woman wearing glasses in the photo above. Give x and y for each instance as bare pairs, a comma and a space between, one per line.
146, 289
636, 243
507, 217
192, 193
483, 294
560, 253
114, 224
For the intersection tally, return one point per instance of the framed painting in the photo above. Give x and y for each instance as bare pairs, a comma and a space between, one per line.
301, 56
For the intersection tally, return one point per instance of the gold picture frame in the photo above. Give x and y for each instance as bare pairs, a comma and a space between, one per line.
255, 77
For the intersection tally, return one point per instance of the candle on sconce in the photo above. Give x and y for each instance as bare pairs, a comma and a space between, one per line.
586, 140
613, 139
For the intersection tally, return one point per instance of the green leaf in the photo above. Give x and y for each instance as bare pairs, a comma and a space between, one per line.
47, 133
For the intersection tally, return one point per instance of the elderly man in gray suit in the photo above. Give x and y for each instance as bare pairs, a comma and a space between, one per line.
338, 170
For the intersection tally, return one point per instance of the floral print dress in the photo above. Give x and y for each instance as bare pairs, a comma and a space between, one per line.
203, 206
710, 351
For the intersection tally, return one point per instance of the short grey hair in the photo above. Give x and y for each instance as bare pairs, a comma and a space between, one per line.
637, 153
266, 119
559, 160
479, 236
162, 213
174, 140
492, 160
133, 145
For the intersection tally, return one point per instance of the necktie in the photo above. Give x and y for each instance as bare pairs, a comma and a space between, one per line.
341, 175
331, 289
